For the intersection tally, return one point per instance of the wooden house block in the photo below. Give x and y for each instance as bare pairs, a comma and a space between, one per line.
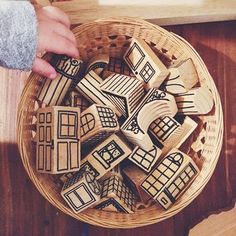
116, 196
118, 66
156, 104
75, 99
98, 63
97, 121
145, 64
197, 101
133, 177
114, 171
145, 159
123, 91
170, 133
106, 155
52, 92
58, 139
182, 78
170, 178
89, 87
81, 191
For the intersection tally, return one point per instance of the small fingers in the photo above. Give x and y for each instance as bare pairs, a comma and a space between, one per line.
61, 45
44, 68
56, 14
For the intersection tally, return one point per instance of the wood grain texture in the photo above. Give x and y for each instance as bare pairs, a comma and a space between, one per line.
167, 12
25, 213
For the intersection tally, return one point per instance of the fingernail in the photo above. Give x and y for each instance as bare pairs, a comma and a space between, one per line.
53, 75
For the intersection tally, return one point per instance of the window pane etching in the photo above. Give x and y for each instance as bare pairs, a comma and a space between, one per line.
68, 125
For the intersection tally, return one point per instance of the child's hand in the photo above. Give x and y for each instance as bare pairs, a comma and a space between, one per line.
54, 35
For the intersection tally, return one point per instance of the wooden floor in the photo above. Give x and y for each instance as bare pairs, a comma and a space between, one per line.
223, 224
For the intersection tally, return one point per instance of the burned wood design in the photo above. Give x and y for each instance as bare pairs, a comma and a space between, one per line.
52, 92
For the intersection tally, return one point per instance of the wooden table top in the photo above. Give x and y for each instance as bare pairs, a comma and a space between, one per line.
23, 211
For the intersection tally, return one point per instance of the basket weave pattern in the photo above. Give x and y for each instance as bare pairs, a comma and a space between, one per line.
112, 36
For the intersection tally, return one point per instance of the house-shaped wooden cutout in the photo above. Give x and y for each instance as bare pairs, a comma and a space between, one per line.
97, 123
89, 87
170, 133
182, 78
170, 178
81, 191
145, 159
145, 64
197, 101
155, 104
52, 92
106, 155
58, 139
116, 196
123, 91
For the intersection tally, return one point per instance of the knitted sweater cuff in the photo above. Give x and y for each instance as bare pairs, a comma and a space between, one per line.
18, 34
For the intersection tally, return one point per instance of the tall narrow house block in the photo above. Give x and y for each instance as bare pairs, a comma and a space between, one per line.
145, 64
182, 78
116, 196
97, 123
170, 133
106, 155
52, 92
89, 87
58, 140
124, 92
170, 178
81, 191
197, 101
155, 104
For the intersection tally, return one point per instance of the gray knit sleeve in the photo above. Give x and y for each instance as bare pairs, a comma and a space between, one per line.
18, 34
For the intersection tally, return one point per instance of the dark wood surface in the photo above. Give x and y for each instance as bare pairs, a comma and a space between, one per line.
24, 212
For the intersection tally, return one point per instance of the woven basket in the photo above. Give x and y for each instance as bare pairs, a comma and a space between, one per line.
112, 36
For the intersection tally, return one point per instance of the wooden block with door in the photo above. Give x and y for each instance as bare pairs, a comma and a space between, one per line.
123, 91
116, 196
97, 123
170, 178
58, 139
52, 92
145, 64
81, 191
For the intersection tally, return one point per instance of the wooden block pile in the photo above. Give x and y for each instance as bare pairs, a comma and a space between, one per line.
113, 129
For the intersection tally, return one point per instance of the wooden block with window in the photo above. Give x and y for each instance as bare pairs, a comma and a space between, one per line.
97, 123
170, 178
58, 139
81, 191
106, 155
145, 64
116, 196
